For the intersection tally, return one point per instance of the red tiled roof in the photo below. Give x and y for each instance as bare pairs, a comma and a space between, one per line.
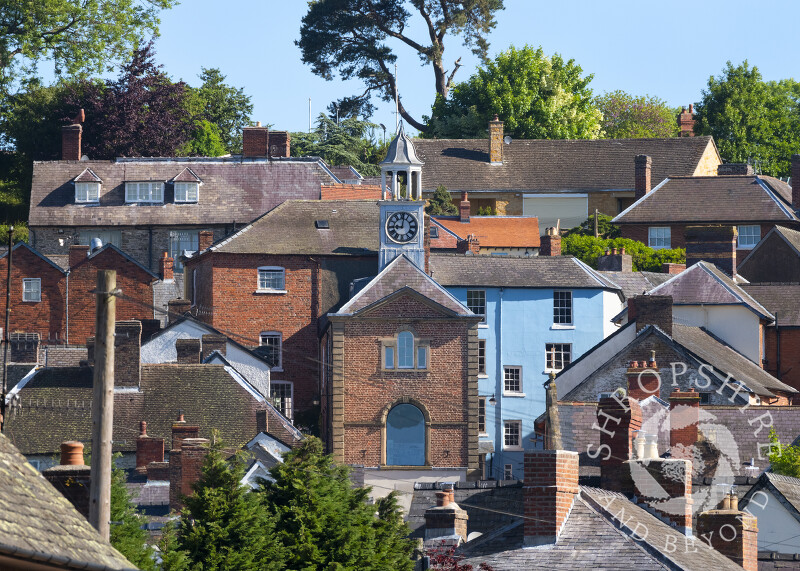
351, 192
496, 231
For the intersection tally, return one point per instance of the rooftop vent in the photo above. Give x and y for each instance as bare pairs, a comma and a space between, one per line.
321, 224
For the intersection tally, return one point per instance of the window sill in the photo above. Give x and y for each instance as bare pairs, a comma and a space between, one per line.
483, 326
483, 376
548, 371
561, 326
88, 202
31, 301
186, 201
513, 394
748, 247
513, 449
267, 291
145, 202
483, 435
276, 370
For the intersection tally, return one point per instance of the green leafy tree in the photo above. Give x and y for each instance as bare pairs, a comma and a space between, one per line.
751, 120
127, 535
627, 116
206, 141
76, 35
226, 107
441, 203
784, 458
605, 229
348, 143
538, 97
224, 525
326, 523
589, 248
352, 38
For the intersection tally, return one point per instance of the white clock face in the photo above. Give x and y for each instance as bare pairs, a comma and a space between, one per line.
402, 227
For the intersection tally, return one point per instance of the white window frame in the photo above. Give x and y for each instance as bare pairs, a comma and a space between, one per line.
483, 294
272, 269
753, 238
420, 353
184, 189
28, 294
137, 192
562, 301
482, 416
406, 359
287, 413
87, 192
509, 426
273, 335
482, 357
513, 374
550, 366
659, 237
508, 472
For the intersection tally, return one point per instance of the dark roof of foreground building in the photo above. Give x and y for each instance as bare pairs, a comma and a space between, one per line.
554, 165
458, 270
40, 526
56, 405
706, 199
295, 227
231, 190
636, 283
598, 533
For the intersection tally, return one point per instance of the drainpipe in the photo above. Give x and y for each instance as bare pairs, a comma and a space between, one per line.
778, 347
150, 248
67, 309
499, 378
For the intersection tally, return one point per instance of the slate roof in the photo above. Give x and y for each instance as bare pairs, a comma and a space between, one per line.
635, 283
39, 525
232, 190
704, 283
345, 172
55, 406
554, 165
458, 270
593, 537
495, 231
402, 275
290, 229
34, 251
785, 488
401, 150
722, 357
782, 300
789, 235
705, 199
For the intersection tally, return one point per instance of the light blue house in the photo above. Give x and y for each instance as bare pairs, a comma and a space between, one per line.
541, 314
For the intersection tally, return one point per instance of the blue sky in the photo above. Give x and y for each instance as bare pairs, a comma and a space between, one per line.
667, 49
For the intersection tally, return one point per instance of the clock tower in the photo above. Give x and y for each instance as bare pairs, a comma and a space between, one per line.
402, 222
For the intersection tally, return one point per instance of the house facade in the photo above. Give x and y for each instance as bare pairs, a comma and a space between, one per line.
538, 315
555, 180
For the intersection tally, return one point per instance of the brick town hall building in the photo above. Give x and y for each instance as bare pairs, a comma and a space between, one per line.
399, 383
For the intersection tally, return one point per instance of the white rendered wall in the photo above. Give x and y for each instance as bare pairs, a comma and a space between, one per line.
734, 324
778, 530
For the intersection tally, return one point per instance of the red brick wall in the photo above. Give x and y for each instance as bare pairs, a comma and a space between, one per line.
677, 234
46, 317
134, 282
551, 482
790, 354
616, 438
442, 389
226, 299
684, 414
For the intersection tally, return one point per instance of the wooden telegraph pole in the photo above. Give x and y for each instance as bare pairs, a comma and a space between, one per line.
103, 403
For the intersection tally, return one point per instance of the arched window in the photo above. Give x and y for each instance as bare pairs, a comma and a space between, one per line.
405, 352
405, 436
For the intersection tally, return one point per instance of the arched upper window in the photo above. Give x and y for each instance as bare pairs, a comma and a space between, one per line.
406, 351
405, 436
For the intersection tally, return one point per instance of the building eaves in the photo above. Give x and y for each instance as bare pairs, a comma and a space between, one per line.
33, 250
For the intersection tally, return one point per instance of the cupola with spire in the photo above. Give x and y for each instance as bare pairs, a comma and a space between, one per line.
401, 158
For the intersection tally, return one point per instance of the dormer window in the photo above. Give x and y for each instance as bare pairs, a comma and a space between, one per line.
87, 192
186, 191
144, 192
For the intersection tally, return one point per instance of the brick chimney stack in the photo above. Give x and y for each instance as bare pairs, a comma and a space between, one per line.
188, 351
731, 532
651, 310
643, 379
176, 308
204, 240
796, 182
642, 168
496, 141
684, 416
23, 347
463, 208
72, 478
148, 449
255, 141
715, 244
551, 483
213, 342
550, 243
446, 518
686, 121
127, 350
618, 420
167, 268
729, 169
71, 138
279, 144
470, 244
615, 261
